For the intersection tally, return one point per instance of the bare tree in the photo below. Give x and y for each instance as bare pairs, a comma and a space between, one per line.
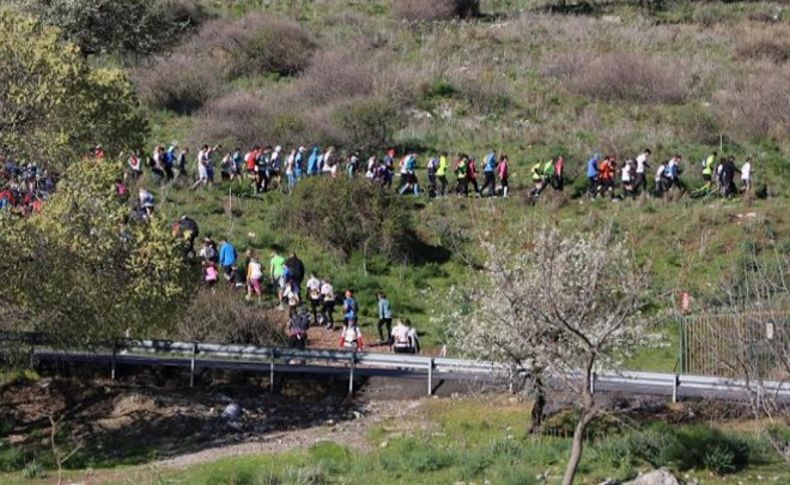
557, 308
752, 330
59, 457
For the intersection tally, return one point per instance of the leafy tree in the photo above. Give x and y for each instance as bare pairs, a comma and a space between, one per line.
134, 27
52, 105
369, 122
82, 269
556, 308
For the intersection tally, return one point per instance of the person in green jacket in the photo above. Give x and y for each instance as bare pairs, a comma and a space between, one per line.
277, 273
462, 173
707, 169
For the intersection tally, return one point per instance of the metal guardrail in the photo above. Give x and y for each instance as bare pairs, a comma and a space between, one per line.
197, 355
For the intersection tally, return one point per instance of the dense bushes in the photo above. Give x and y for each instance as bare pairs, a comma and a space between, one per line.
223, 50
348, 216
220, 317
368, 122
689, 447
431, 10
629, 77
758, 107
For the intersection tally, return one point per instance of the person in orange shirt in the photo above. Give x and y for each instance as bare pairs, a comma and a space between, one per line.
606, 175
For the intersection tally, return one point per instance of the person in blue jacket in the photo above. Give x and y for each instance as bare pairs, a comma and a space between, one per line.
227, 258
489, 171
592, 173
312, 161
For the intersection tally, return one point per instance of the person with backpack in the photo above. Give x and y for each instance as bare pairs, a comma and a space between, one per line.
385, 317
298, 326
182, 162
489, 174
169, 162
312, 161
328, 304
537, 179
471, 174
432, 169
728, 177
314, 295
291, 296
708, 165
462, 175
626, 178
296, 269
660, 180
606, 172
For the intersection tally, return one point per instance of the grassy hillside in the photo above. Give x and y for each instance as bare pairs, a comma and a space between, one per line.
523, 78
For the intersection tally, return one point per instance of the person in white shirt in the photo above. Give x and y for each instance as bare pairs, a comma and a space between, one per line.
746, 175
404, 338
328, 306
660, 185
205, 168
314, 295
642, 163
626, 178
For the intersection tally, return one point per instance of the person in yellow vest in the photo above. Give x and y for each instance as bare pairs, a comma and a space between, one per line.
441, 174
537, 179
707, 169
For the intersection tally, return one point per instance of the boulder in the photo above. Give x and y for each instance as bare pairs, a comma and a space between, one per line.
232, 411
657, 477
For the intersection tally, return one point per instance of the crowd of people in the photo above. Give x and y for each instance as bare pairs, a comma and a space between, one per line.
310, 301
269, 168
24, 186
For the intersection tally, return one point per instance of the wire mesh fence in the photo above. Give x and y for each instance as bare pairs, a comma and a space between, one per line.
744, 344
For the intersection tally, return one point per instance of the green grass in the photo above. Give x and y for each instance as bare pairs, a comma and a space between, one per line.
471, 440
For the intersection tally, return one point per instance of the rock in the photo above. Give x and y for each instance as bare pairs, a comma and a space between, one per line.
232, 411
384, 444
656, 477
610, 481
357, 414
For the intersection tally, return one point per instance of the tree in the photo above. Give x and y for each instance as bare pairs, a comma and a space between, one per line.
52, 105
83, 270
557, 309
753, 325
129, 27
369, 122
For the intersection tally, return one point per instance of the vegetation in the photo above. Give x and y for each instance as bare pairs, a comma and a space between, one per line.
83, 260
52, 104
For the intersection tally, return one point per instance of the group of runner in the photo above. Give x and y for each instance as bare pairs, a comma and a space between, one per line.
310, 302
24, 186
274, 167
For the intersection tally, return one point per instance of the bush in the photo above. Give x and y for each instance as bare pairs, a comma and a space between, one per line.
348, 216
334, 74
255, 44
758, 107
432, 10
179, 83
368, 122
227, 318
629, 77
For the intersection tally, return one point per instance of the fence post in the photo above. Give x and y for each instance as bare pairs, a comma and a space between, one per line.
271, 370
592, 383
430, 377
675, 385
192, 365
351, 372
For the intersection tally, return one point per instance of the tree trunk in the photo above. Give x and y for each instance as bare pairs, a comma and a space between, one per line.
536, 421
578, 445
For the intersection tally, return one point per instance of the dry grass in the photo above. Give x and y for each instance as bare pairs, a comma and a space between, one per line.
433, 10
180, 83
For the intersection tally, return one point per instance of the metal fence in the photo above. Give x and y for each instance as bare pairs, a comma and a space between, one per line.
736, 344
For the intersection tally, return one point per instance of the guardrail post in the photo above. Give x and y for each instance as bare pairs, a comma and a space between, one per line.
430, 377
114, 351
351, 373
192, 365
675, 384
271, 370
592, 383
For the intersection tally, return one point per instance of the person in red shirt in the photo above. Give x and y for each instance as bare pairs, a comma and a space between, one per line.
606, 175
471, 175
556, 179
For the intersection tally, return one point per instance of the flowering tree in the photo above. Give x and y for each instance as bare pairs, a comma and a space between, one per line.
557, 309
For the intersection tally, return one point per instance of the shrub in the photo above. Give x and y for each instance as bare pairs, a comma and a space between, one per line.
348, 216
411, 455
255, 44
225, 318
758, 107
629, 77
368, 122
180, 83
334, 74
432, 10
766, 47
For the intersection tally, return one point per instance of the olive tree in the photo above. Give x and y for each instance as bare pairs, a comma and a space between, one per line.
83, 269
557, 307
53, 106
129, 27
